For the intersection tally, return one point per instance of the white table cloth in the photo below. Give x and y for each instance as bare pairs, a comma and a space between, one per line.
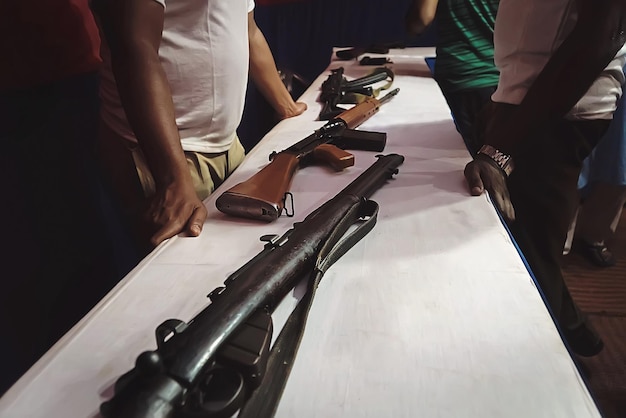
433, 314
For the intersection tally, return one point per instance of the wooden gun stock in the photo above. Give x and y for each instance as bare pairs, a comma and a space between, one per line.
262, 195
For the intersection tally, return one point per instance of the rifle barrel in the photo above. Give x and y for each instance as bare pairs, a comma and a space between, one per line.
389, 96
163, 380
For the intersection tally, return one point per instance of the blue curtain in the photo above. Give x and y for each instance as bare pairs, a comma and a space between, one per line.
302, 35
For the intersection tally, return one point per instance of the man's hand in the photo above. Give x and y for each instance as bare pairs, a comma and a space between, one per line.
297, 108
265, 74
482, 175
173, 210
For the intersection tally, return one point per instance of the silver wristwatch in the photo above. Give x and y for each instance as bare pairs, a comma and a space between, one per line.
502, 160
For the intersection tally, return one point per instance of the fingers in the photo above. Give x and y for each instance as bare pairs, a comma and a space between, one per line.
191, 225
196, 221
301, 107
166, 231
481, 176
474, 179
297, 108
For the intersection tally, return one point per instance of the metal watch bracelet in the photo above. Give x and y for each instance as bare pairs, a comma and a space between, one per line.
502, 160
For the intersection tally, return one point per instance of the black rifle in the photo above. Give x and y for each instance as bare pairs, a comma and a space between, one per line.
209, 366
336, 89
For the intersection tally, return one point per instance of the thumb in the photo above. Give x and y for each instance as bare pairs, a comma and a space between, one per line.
196, 221
473, 178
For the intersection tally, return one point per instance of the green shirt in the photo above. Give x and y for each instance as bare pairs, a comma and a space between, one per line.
465, 44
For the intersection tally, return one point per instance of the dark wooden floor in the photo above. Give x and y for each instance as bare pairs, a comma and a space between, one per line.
601, 294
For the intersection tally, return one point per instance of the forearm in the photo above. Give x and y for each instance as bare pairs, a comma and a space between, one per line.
564, 80
147, 100
265, 76
133, 31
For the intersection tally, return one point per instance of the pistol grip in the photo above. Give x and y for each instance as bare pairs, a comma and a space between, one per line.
334, 156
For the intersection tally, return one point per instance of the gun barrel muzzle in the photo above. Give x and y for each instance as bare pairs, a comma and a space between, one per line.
389, 95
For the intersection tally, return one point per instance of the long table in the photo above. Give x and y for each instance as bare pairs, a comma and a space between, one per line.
433, 314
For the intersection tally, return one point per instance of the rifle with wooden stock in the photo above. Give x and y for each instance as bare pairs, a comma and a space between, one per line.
215, 364
263, 195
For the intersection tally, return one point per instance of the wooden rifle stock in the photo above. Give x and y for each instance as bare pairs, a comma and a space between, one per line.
263, 195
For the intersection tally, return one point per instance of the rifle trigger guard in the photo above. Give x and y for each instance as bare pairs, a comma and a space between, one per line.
288, 198
171, 326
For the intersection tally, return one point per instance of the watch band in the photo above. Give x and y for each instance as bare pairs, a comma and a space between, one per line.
502, 160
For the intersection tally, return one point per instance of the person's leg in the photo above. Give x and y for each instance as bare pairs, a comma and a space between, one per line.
597, 221
600, 212
465, 106
208, 171
567, 247
58, 262
236, 154
130, 180
545, 196
118, 159
92, 269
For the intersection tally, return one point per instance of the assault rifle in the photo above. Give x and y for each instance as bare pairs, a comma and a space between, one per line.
336, 89
263, 195
209, 366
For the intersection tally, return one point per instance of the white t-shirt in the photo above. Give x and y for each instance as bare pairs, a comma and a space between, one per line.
204, 52
527, 33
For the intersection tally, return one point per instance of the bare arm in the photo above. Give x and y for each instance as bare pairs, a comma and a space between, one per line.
265, 74
593, 43
133, 30
420, 16
567, 76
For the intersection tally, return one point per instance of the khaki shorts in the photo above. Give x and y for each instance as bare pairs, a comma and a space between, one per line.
208, 170
130, 182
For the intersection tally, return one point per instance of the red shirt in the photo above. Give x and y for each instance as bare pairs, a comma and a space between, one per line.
46, 40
